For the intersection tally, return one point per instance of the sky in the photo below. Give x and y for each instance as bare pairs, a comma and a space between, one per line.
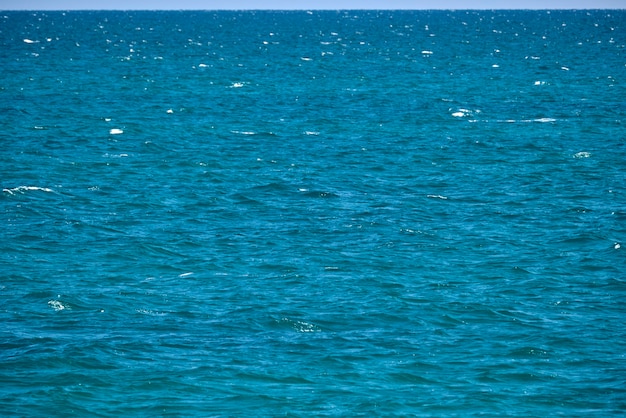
305, 4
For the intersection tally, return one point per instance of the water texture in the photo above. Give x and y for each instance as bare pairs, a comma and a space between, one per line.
353, 213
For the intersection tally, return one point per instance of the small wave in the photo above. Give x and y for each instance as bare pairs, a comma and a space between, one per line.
150, 312
122, 155
317, 193
538, 120
24, 189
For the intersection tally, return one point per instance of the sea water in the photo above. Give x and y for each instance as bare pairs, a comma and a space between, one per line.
324, 213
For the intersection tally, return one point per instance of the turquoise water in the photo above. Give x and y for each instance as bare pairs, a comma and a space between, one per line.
352, 213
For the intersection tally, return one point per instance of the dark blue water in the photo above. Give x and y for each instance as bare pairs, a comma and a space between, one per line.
313, 214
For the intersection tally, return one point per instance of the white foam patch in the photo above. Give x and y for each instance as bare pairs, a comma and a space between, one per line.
116, 131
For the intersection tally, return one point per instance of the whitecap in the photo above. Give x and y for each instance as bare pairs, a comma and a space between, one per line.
170, 111
22, 189
582, 154
186, 274
495, 66
299, 326
56, 305
311, 133
306, 59
427, 52
540, 83
564, 68
29, 41
116, 131
544, 120
617, 246
464, 112
236, 85
437, 196
302, 326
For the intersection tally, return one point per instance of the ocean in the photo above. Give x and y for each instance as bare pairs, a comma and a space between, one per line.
322, 213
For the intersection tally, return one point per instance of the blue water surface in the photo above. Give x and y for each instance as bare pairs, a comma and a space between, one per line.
327, 213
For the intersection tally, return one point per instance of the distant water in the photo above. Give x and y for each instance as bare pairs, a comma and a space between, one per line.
352, 213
